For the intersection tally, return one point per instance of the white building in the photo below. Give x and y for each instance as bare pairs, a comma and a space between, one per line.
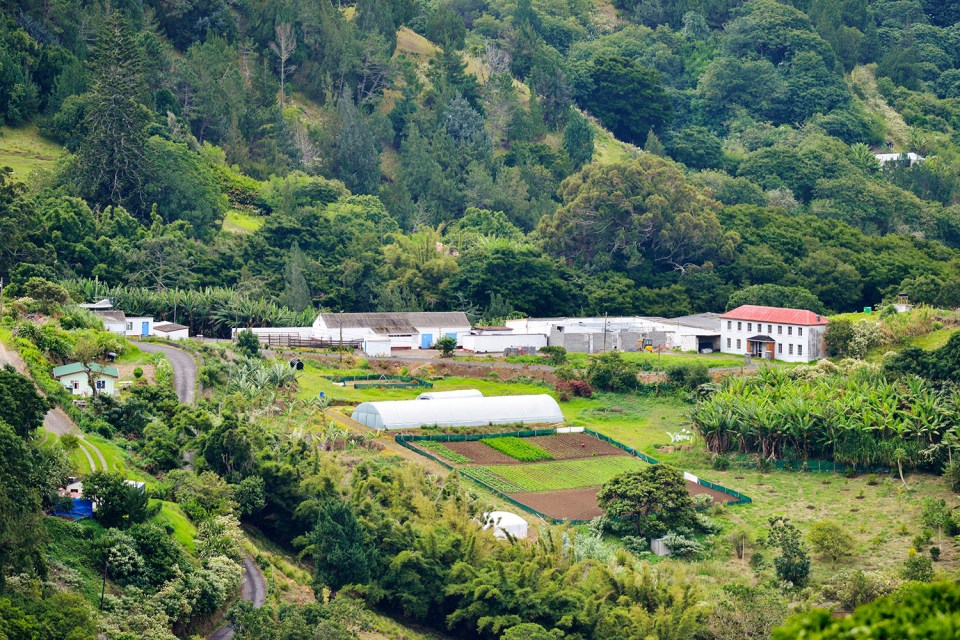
459, 412
74, 378
139, 326
171, 331
114, 321
406, 330
773, 333
497, 342
909, 158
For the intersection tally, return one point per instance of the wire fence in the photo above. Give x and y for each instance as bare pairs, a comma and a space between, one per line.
369, 381
406, 440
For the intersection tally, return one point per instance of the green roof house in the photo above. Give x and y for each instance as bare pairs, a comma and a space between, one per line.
75, 379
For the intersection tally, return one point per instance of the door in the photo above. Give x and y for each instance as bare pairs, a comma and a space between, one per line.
145, 329
426, 340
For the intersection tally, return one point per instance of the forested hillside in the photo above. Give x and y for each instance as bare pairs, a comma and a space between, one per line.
540, 157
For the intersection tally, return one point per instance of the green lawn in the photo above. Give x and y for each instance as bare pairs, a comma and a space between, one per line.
171, 514
934, 339
78, 459
562, 474
23, 149
241, 222
133, 355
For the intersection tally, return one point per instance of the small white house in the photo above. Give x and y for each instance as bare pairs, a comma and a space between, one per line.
171, 331
74, 378
406, 330
139, 326
773, 333
909, 158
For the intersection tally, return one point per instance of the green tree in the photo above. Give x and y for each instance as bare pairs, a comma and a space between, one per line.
627, 98
21, 406
119, 504
655, 499
531, 631
112, 160
447, 345
793, 563
838, 337
248, 343
578, 139
342, 554
356, 159
935, 514
774, 295
49, 295
445, 27
829, 538
296, 292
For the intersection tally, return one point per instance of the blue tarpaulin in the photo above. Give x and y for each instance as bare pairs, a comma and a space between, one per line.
81, 508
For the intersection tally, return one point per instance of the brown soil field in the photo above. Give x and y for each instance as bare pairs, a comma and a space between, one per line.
562, 446
581, 504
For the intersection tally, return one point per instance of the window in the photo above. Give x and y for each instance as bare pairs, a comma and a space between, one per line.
799, 349
749, 326
728, 343
729, 325
779, 329
129, 326
789, 331
76, 384
739, 326
738, 343
799, 331
101, 384
769, 328
791, 349
780, 348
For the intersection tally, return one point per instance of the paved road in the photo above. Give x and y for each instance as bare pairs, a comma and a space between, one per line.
254, 589
184, 369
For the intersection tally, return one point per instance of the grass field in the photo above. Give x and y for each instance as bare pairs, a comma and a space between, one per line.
241, 222
562, 474
171, 514
23, 149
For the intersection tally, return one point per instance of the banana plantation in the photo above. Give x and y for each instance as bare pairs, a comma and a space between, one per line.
855, 415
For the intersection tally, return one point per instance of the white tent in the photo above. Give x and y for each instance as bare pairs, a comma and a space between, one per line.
503, 523
458, 412
444, 395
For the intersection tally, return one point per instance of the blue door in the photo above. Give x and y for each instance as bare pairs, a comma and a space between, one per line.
426, 340
145, 329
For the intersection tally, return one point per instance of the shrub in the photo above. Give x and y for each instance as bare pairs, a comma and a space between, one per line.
636, 545
951, 473
854, 588
830, 539
138, 373
447, 345
687, 377
720, 462
571, 388
683, 547
935, 554
554, 355
917, 567
248, 344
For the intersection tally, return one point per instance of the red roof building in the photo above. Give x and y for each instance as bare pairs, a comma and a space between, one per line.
777, 315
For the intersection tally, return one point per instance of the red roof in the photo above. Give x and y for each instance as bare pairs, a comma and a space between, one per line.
775, 314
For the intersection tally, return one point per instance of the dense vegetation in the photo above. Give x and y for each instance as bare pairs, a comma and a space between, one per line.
385, 171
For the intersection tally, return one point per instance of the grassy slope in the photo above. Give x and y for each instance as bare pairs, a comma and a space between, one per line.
241, 222
863, 84
23, 149
171, 514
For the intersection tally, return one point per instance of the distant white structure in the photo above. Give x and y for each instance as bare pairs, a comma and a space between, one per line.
458, 412
500, 341
406, 330
773, 333
114, 321
171, 331
447, 395
911, 157
505, 525
624, 333
377, 346
74, 378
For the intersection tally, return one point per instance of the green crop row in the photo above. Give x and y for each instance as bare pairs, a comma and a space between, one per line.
518, 449
444, 452
562, 474
483, 475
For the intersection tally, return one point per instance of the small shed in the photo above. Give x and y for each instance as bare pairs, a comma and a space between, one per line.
505, 525
459, 412
444, 395
171, 331
377, 347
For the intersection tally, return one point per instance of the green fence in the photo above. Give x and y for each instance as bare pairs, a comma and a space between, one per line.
405, 440
377, 380
808, 466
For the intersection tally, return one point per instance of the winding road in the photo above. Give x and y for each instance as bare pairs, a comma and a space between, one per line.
254, 590
184, 369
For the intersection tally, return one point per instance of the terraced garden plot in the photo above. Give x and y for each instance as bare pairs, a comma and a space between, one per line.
476, 450
569, 446
441, 450
564, 474
518, 449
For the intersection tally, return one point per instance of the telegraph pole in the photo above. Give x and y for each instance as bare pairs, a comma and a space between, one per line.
340, 350
1, 299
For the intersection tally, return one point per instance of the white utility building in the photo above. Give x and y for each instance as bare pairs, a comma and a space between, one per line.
458, 412
171, 331
406, 330
505, 525
773, 333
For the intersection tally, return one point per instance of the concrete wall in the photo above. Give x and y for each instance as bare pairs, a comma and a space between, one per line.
496, 343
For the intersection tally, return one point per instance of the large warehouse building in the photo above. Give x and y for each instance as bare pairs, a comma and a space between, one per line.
459, 412
406, 330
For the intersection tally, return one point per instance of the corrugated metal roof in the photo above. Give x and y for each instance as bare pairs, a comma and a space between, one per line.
169, 327
707, 321
459, 412
395, 322
775, 314
77, 367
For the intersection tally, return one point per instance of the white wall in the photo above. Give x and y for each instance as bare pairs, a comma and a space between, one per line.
496, 343
78, 385
376, 348
134, 326
181, 334
119, 328
785, 336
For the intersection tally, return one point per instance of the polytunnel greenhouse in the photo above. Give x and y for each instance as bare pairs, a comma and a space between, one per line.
458, 412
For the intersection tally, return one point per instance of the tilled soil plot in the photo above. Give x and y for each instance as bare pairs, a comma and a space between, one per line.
567, 446
479, 453
581, 504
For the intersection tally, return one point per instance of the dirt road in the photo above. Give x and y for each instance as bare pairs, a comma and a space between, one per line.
254, 589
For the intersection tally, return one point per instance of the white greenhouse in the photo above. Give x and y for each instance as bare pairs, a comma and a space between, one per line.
459, 412
505, 525
446, 395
